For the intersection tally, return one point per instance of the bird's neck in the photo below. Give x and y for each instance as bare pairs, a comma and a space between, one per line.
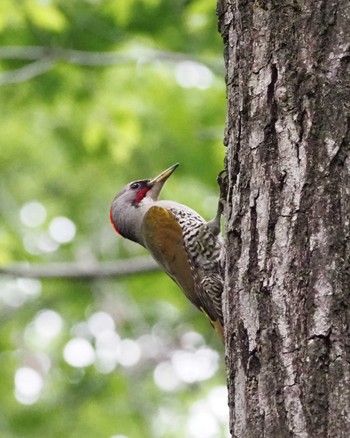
129, 223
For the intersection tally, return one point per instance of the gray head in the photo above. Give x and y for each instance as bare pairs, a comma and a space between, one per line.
133, 201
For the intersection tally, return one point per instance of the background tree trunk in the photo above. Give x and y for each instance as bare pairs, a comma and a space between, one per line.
288, 214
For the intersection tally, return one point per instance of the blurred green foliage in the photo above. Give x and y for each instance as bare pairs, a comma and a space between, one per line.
94, 94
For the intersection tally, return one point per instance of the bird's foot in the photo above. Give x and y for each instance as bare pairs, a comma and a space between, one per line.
215, 224
222, 180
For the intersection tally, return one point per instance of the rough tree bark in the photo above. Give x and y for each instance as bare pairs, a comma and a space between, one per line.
287, 285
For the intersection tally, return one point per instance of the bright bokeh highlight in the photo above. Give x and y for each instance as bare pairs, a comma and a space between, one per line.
62, 229
33, 214
28, 385
79, 353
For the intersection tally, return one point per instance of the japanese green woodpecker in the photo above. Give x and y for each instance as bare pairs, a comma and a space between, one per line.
187, 247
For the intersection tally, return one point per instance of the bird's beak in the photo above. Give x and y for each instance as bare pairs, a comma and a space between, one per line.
157, 183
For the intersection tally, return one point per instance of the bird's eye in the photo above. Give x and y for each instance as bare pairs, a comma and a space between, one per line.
135, 185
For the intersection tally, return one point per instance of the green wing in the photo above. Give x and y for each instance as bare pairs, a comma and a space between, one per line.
163, 238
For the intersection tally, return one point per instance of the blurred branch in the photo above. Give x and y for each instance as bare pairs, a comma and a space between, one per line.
82, 271
47, 57
27, 72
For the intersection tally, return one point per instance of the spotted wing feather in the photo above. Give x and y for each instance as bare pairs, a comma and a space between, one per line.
183, 245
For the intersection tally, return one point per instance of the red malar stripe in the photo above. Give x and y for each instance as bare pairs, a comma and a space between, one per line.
141, 194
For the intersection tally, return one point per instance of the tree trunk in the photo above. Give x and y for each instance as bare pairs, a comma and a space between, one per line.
287, 284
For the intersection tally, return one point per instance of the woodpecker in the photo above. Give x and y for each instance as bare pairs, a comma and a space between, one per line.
188, 248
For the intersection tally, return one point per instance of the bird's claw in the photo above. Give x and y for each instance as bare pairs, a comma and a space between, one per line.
222, 180
222, 177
